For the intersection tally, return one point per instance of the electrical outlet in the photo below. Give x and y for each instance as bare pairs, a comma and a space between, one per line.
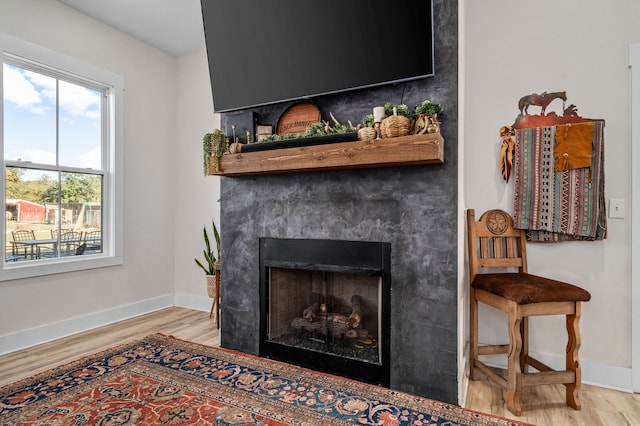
616, 208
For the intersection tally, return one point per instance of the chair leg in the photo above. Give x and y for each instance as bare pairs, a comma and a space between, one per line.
524, 332
514, 373
473, 335
572, 363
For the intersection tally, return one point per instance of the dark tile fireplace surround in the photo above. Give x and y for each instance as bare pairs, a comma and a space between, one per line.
412, 208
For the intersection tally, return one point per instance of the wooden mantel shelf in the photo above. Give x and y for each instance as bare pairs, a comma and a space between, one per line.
401, 151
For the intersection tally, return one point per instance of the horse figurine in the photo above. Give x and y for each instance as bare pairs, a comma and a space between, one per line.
542, 100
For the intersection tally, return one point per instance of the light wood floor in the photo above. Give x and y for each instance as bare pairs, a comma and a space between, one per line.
542, 406
183, 323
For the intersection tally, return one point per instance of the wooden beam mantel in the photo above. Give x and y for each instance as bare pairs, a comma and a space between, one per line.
399, 151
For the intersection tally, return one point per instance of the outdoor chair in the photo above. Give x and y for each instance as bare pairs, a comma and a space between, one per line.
495, 245
69, 242
21, 235
93, 241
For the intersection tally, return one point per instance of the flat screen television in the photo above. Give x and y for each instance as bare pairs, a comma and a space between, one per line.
269, 51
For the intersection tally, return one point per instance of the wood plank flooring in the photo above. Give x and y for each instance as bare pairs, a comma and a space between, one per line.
542, 405
187, 324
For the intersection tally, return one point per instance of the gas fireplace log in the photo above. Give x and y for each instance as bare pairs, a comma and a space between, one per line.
315, 318
301, 323
298, 323
311, 312
337, 325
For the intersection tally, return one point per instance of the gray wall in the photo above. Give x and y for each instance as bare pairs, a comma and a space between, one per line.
414, 208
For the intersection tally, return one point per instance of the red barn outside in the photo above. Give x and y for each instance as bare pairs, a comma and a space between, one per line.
26, 211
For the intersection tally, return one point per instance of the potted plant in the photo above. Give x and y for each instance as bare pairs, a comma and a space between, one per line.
213, 144
427, 117
401, 110
211, 265
367, 130
429, 108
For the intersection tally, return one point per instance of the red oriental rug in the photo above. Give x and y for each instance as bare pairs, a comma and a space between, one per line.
161, 380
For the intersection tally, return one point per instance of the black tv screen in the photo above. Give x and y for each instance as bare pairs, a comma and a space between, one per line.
267, 51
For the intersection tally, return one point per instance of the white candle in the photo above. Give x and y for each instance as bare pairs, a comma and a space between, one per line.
378, 114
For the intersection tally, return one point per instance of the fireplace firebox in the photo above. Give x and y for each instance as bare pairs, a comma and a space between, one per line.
324, 305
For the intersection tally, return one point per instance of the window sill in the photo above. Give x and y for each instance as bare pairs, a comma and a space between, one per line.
40, 268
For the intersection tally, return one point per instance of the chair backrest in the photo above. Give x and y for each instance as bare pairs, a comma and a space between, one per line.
94, 237
494, 243
23, 235
71, 236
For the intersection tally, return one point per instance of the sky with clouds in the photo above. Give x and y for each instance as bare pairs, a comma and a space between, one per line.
30, 120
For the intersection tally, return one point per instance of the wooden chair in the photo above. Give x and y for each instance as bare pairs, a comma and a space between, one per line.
495, 245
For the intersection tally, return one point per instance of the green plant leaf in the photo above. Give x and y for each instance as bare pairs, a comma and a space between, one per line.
210, 258
216, 236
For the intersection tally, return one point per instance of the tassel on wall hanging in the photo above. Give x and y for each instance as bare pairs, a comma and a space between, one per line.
558, 172
506, 151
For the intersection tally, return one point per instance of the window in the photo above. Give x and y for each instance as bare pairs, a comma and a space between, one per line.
60, 133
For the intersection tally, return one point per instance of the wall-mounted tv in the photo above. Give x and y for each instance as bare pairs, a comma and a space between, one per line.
270, 51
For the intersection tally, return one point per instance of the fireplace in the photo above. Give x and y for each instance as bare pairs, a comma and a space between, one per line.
413, 208
324, 305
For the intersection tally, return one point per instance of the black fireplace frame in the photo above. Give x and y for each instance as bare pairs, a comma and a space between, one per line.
371, 258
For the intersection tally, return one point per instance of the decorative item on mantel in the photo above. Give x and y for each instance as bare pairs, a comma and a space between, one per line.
236, 146
317, 133
298, 118
427, 117
367, 128
213, 144
397, 122
378, 116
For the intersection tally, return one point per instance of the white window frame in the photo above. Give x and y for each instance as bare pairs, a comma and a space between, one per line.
112, 211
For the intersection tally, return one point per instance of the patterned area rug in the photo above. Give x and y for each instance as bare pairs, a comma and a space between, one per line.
161, 380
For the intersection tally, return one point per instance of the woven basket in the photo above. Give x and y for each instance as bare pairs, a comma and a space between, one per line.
211, 286
366, 133
395, 126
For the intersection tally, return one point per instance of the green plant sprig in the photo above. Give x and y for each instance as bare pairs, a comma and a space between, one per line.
401, 110
429, 108
367, 121
213, 144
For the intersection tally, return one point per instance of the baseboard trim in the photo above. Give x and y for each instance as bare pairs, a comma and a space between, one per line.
190, 301
46, 333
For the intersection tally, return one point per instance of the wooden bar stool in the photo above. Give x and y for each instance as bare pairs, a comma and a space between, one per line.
494, 244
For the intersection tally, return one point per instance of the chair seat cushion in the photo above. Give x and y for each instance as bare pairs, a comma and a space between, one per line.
526, 288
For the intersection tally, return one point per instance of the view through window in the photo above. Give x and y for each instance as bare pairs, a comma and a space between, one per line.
54, 140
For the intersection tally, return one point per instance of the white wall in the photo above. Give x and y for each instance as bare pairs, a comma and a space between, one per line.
196, 198
33, 310
514, 48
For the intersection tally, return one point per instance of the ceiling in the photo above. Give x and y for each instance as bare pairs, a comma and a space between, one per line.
173, 26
